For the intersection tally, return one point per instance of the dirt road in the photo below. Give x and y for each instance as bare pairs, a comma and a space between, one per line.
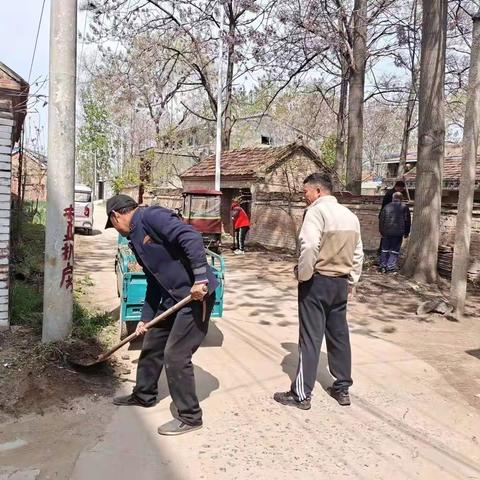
410, 418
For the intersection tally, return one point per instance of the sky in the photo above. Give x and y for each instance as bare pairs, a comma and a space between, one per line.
18, 29
19, 20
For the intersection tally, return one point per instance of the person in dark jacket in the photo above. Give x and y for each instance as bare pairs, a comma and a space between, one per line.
394, 225
173, 258
241, 226
398, 187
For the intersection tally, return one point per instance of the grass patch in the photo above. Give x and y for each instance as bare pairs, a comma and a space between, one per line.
28, 256
27, 303
87, 323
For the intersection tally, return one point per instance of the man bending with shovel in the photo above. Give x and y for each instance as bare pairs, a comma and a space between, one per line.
172, 256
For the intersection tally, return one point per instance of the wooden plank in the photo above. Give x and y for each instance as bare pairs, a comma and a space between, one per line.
4, 307
5, 174
5, 181
6, 121
4, 189
4, 213
6, 165
5, 149
3, 128
5, 230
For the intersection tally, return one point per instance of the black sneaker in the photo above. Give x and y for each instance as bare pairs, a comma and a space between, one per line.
130, 401
177, 427
288, 398
341, 396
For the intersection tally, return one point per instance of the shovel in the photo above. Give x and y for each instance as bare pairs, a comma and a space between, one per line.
86, 364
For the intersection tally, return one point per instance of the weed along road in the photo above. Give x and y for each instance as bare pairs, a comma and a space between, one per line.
408, 418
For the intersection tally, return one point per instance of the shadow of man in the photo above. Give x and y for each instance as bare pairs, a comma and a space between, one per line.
205, 383
290, 362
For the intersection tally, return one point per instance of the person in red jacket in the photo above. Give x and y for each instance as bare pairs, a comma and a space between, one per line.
241, 225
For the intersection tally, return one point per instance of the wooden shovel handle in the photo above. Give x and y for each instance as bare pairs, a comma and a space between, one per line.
150, 324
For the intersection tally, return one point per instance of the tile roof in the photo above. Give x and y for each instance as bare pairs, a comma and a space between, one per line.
452, 168
248, 161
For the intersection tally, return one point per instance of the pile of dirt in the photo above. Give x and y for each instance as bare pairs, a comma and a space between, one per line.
36, 376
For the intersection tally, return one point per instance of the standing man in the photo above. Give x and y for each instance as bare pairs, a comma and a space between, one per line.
331, 258
394, 225
398, 187
173, 258
241, 226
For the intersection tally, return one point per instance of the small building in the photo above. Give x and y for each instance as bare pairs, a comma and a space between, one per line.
371, 184
269, 182
13, 107
34, 175
452, 167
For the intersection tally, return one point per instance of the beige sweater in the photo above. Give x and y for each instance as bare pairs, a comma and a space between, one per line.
330, 241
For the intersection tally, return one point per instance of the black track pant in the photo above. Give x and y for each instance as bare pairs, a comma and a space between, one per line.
172, 343
322, 308
240, 235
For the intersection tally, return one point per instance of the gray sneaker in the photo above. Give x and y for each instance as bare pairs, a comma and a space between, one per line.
289, 399
177, 427
341, 396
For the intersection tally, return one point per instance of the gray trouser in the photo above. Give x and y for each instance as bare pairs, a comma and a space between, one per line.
322, 309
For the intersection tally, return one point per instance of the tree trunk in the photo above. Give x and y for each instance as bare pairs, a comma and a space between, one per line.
412, 94
412, 98
461, 253
421, 263
227, 125
355, 99
341, 121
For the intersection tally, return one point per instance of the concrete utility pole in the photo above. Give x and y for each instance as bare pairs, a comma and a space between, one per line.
218, 146
471, 129
58, 286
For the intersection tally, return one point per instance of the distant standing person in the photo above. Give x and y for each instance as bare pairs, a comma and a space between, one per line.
330, 263
241, 226
398, 187
394, 225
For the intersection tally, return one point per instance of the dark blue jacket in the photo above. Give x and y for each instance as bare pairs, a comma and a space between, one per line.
395, 220
172, 256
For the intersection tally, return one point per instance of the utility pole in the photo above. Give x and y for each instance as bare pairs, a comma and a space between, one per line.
58, 283
471, 130
218, 146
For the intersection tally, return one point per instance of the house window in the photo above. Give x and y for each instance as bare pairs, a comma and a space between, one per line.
267, 140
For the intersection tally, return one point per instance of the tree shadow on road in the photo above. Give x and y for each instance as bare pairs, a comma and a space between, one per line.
290, 362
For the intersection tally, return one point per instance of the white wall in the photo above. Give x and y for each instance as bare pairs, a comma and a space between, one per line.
6, 123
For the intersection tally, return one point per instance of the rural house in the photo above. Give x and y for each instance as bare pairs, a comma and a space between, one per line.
269, 181
13, 105
451, 173
34, 175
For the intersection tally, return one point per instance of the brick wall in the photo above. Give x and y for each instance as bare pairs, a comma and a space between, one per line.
275, 223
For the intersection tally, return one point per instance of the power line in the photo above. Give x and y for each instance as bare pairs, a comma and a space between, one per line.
83, 37
36, 40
